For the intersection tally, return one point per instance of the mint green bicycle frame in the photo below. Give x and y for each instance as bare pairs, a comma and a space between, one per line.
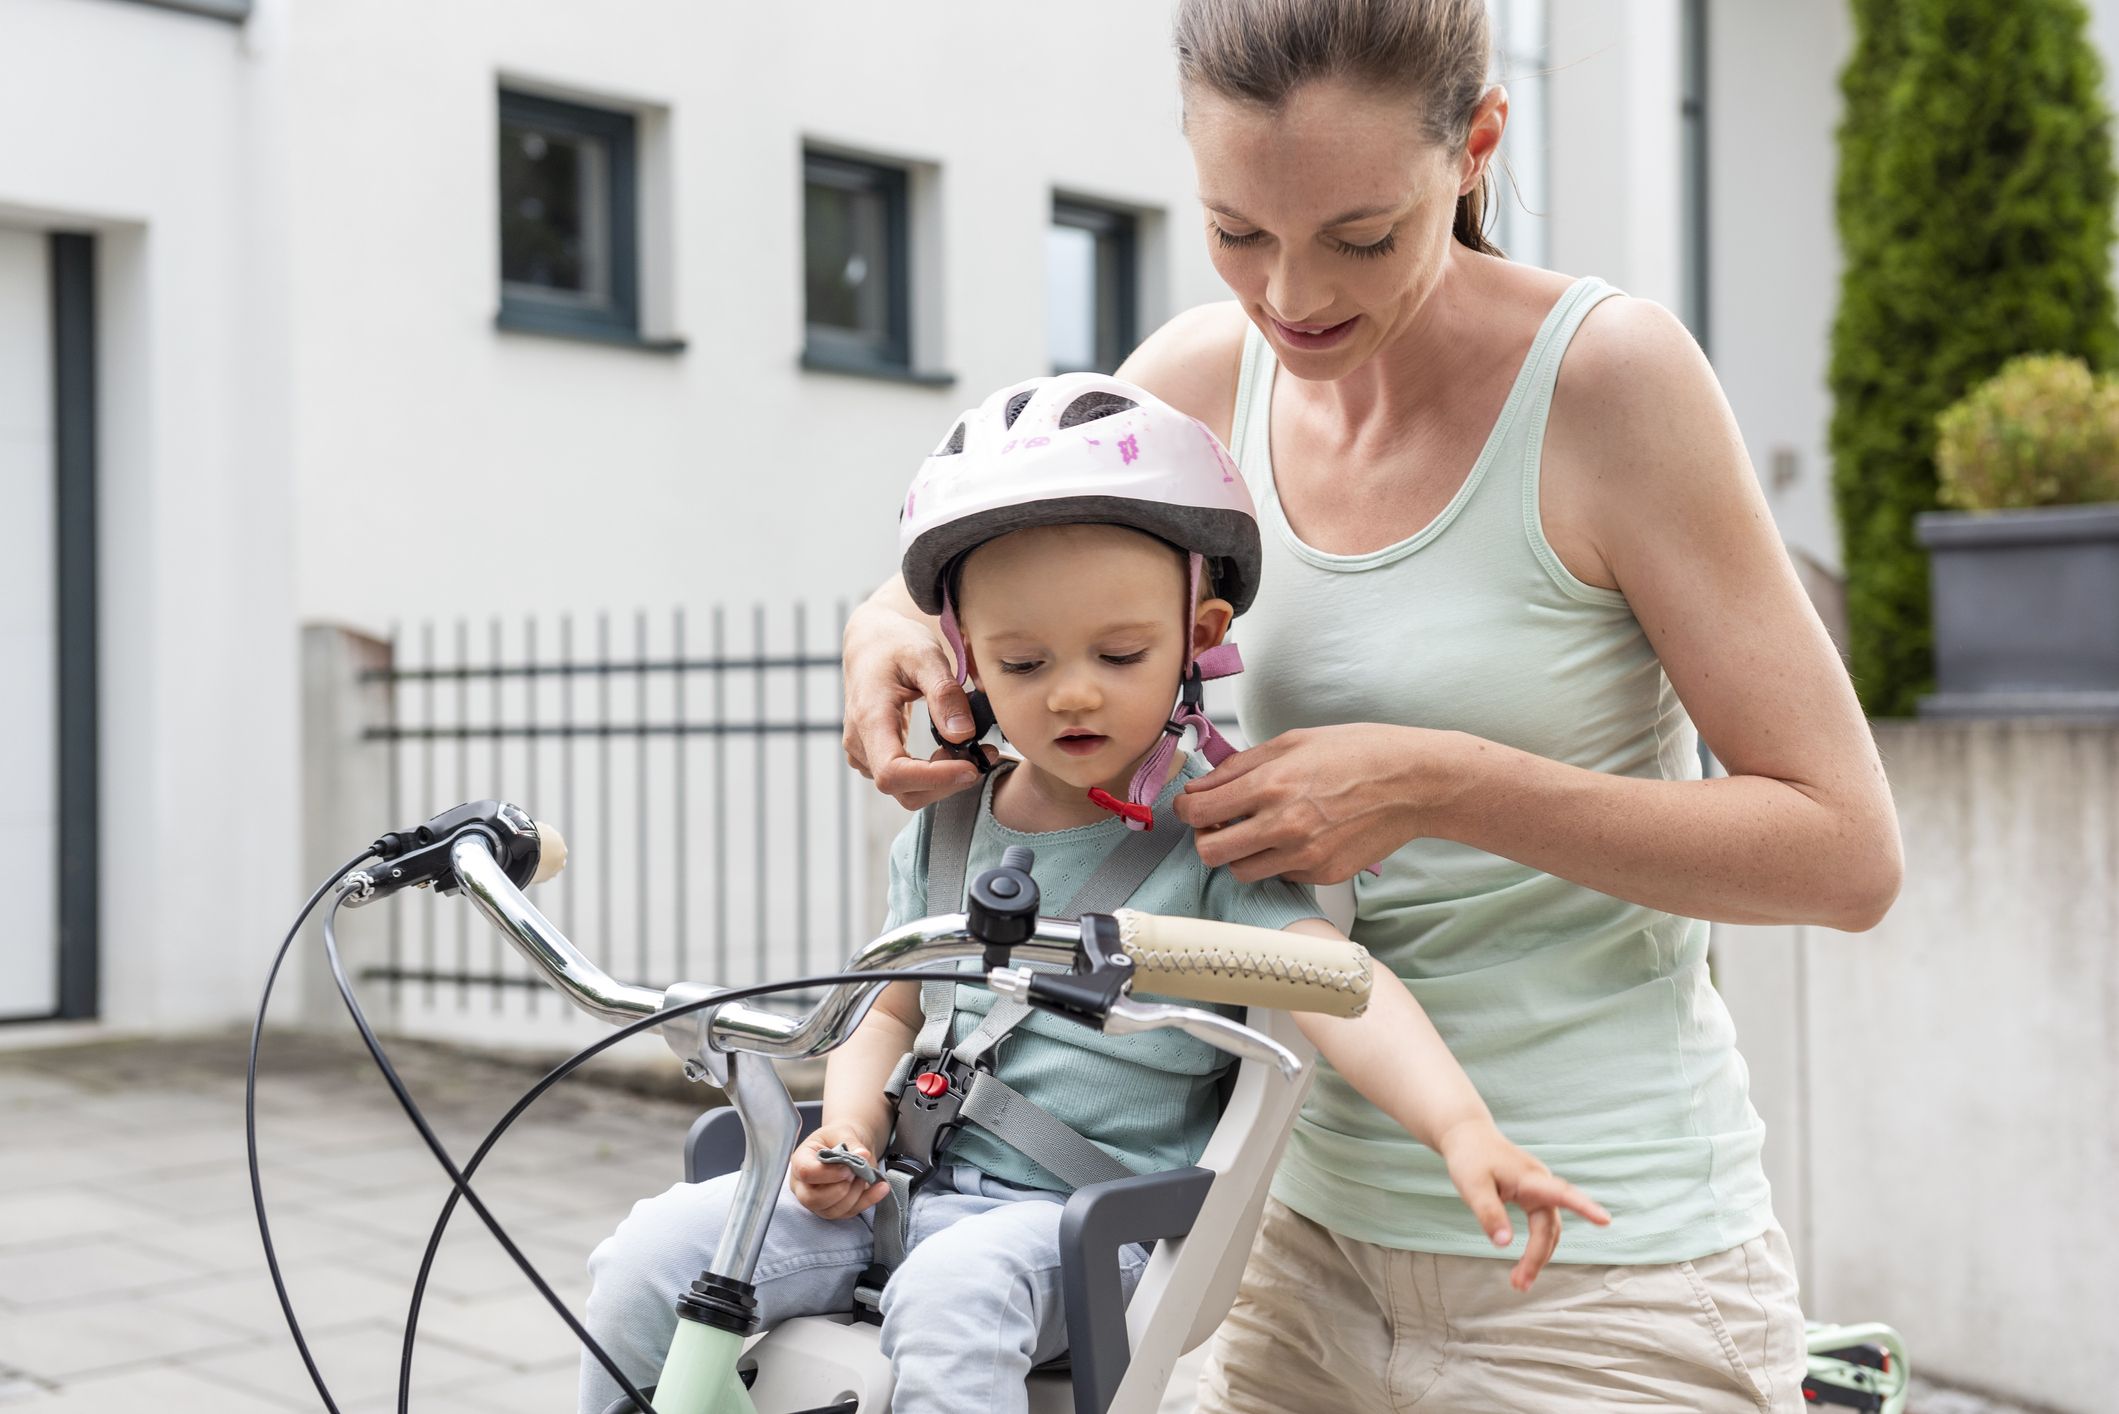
699, 1377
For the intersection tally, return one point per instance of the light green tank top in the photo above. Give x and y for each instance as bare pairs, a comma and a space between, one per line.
1588, 1023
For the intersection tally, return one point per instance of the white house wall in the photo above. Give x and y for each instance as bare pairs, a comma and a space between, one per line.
1613, 175
138, 124
445, 466
1774, 275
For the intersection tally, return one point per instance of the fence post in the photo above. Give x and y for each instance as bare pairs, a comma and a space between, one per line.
345, 802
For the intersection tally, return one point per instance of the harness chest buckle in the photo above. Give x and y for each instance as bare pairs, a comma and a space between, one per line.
930, 1110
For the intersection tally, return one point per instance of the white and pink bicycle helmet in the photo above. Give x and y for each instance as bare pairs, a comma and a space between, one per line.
1084, 448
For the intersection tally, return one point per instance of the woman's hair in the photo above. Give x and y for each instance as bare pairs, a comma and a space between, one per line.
1435, 52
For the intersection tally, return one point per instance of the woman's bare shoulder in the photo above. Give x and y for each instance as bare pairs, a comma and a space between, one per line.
1638, 423
1192, 362
1626, 347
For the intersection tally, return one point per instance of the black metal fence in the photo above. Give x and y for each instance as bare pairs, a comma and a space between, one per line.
693, 763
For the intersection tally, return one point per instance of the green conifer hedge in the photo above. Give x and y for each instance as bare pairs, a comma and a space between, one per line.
1975, 219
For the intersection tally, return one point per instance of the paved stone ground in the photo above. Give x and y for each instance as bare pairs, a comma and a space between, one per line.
131, 1276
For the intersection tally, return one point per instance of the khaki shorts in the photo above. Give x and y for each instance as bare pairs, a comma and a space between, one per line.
1326, 1323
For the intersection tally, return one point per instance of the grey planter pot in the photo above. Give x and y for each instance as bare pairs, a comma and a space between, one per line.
2026, 612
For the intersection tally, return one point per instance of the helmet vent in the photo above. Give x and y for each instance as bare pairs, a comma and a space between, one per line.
1016, 405
1090, 406
955, 444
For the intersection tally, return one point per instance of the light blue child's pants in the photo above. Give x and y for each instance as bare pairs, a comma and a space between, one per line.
975, 1304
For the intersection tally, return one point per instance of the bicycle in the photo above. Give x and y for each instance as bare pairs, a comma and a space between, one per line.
1199, 1218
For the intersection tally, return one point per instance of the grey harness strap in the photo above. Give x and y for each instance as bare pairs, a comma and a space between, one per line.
995, 1107
989, 1102
947, 830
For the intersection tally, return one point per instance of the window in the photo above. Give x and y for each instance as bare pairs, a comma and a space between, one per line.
569, 254
1091, 286
856, 302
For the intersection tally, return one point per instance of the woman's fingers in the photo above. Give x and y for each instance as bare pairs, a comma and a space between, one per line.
877, 720
916, 784
1221, 795
1227, 844
947, 706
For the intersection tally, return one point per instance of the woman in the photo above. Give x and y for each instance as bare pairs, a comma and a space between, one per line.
1515, 551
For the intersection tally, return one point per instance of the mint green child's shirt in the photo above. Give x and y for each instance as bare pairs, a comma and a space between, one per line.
1150, 1101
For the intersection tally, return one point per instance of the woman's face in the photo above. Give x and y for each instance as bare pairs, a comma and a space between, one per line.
1330, 216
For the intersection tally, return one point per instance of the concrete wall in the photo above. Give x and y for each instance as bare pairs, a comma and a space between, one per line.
541, 474
144, 126
1942, 1094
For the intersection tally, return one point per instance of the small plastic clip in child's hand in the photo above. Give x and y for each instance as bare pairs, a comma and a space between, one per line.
846, 1157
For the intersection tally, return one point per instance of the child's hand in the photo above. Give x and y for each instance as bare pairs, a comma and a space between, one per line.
831, 1190
1489, 1171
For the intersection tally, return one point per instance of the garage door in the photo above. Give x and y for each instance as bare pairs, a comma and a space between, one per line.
29, 796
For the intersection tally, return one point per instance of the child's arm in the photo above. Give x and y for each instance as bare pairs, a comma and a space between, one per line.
856, 1112
1392, 1054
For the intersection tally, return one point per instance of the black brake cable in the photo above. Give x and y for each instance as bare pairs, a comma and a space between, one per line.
460, 1179
250, 1123
566, 1068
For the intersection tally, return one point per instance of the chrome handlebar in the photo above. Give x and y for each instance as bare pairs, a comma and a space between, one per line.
737, 1026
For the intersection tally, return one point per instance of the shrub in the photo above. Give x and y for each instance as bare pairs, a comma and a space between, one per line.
2042, 432
1975, 214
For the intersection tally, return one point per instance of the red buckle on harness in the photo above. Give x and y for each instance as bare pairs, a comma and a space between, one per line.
1124, 809
933, 1084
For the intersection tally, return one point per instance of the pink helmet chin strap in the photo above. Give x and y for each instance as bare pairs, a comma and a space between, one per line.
1220, 661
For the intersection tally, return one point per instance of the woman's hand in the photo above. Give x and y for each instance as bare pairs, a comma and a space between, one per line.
1489, 1172
891, 662
831, 1190
1319, 805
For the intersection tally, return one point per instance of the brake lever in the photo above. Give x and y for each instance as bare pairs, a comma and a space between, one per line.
1124, 1016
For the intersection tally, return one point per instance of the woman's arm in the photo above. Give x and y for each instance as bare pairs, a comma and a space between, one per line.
1646, 488
1648, 461
893, 653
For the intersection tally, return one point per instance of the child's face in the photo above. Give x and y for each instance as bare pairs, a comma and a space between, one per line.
1077, 635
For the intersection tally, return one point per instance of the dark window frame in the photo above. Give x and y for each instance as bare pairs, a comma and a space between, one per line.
234, 11
1698, 170
829, 348
1117, 233
618, 320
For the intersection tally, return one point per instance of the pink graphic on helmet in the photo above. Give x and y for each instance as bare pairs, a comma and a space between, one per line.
1129, 449
1221, 453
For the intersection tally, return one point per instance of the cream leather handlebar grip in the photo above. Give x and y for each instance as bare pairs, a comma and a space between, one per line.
551, 853
1206, 961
